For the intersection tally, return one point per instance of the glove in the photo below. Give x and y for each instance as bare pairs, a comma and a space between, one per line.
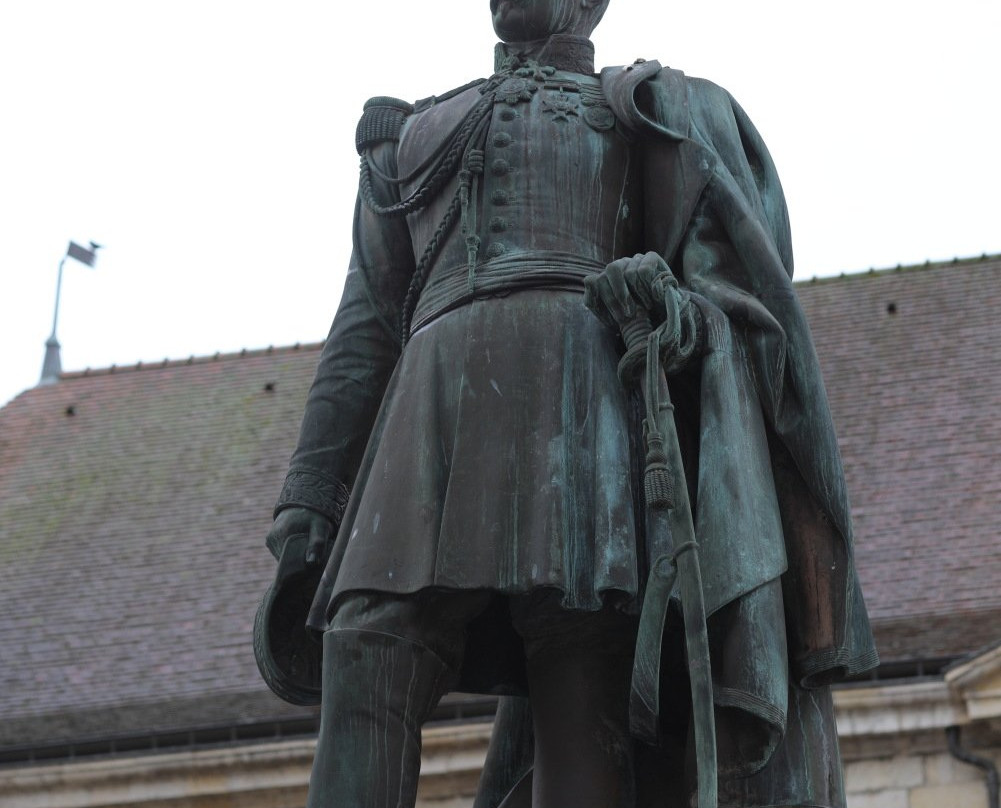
645, 283
628, 284
288, 655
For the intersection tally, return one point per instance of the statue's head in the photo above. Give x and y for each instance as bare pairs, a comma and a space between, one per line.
529, 20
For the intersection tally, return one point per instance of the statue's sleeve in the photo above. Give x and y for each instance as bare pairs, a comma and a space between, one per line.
358, 357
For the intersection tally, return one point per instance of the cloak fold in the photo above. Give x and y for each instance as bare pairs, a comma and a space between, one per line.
771, 509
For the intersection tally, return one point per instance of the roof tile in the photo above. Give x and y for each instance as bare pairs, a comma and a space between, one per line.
134, 504
910, 361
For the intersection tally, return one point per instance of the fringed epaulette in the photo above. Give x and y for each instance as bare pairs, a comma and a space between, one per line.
381, 120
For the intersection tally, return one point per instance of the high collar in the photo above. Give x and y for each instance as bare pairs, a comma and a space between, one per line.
567, 52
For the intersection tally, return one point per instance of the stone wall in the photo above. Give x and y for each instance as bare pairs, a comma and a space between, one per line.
934, 780
904, 770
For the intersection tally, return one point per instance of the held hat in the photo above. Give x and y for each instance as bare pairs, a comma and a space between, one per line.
289, 656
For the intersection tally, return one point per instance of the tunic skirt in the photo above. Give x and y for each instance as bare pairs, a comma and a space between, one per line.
500, 460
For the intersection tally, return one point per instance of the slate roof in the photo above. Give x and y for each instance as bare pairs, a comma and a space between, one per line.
133, 508
911, 361
134, 503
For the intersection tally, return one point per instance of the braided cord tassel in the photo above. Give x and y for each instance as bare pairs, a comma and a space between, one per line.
463, 202
424, 266
658, 482
441, 173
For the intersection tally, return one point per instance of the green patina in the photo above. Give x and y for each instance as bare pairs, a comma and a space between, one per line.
473, 409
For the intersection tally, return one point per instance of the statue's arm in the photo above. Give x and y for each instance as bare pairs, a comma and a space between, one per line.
358, 358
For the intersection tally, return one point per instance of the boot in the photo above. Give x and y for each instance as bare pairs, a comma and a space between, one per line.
378, 690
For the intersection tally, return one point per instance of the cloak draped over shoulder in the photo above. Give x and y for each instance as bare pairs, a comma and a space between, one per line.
715, 177
771, 508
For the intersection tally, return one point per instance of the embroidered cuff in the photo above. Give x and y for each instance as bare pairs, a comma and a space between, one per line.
310, 489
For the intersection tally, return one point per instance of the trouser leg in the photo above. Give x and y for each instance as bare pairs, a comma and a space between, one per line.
378, 689
579, 671
583, 751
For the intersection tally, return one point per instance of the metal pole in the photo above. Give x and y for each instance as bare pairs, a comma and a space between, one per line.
59, 286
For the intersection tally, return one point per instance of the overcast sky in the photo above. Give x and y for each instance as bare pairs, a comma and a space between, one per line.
209, 145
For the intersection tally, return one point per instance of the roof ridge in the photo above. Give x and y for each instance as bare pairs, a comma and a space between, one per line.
872, 271
218, 356
307, 346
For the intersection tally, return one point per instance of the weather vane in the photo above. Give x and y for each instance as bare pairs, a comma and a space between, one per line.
52, 365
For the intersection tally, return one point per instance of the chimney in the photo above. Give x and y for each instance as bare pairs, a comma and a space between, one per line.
52, 366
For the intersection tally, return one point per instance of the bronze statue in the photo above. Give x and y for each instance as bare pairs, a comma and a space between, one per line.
499, 494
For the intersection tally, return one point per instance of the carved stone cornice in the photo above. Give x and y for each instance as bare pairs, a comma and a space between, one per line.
258, 775
968, 691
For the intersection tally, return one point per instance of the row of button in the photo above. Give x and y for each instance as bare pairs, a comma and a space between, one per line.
499, 196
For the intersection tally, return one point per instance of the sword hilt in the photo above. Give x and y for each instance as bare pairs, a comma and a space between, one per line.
634, 334
635, 331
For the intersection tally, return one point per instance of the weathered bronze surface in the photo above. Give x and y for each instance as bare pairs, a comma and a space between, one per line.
503, 499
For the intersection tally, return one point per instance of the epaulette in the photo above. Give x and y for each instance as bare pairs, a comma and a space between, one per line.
381, 120
431, 100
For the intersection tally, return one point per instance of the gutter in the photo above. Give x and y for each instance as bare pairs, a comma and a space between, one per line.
981, 762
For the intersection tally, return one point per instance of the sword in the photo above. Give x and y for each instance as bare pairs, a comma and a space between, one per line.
668, 514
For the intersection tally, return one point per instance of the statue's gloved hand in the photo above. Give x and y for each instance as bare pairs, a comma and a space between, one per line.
287, 653
296, 520
645, 282
626, 284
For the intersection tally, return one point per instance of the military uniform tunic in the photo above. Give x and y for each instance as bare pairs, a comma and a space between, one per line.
558, 192
501, 456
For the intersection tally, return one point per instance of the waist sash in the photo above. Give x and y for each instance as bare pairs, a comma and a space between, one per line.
500, 276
